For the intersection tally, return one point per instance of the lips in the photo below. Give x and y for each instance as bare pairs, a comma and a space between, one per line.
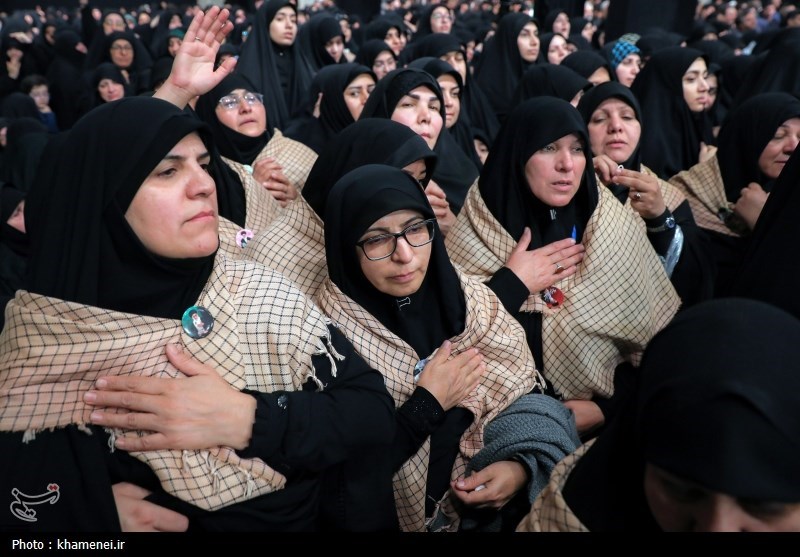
202, 216
408, 277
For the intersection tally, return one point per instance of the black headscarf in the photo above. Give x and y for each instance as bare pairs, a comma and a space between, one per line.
765, 262
743, 136
501, 66
455, 173
461, 131
334, 115
586, 62
473, 100
232, 144
20, 105
701, 414
673, 143
27, 138
596, 96
10, 198
550, 80
424, 27
313, 36
106, 70
138, 71
282, 75
82, 248
70, 97
370, 141
504, 187
370, 50
544, 46
775, 70
378, 27
437, 311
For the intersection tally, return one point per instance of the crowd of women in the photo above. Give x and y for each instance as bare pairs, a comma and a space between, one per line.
455, 268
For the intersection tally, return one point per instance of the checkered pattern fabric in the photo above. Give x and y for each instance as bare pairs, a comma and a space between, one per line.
619, 298
265, 334
510, 373
671, 195
703, 187
550, 512
294, 245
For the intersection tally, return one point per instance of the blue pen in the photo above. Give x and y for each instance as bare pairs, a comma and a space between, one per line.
574, 233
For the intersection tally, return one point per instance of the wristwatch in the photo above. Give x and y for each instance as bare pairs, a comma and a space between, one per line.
669, 224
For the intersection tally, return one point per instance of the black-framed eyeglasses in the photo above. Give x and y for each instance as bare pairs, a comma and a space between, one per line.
231, 102
382, 246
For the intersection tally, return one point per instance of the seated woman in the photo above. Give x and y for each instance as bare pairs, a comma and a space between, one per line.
727, 192
567, 259
706, 445
672, 92
413, 97
337, 95
272, 168
452, 358
124, 244
377, 55
613, 118
108, 84
126, 52
294, 243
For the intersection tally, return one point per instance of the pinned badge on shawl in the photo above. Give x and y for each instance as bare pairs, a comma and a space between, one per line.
243, 236
197, 322
552, 297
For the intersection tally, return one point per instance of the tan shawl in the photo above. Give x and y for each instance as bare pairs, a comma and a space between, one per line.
294, 245
265, 333
510, 373
619, 298
703, 187
550, 512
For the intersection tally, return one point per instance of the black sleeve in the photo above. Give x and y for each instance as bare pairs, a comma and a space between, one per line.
311, 429
509, 288
695, 274
417, 419
625, 384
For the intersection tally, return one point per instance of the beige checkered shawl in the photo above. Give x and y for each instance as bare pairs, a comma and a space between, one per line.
550, 512
294, 245
619, 298
265, 333
510, 373
703, 187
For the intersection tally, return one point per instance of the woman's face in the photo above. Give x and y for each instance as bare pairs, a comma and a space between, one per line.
242, 116
174, 212
528, 42
401, 274
555, 171
614, 130
713, 86
121, 53
173, 45
441, 20
679, 505
283, 27
396, 40
110, 90
420, 111
628, 69
357, 92
417, 170
482, 149
456, 59
335, 48
561, 25
600, 75
113, 22
695, 87
452, 99
777, 152
557, 50
383, 64
17, 218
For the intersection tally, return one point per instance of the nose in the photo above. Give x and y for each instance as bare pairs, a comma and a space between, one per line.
564, 161
791, 143
201, 184
423, 113
614, 124
244, 106
702, 84
404, 251
720, 514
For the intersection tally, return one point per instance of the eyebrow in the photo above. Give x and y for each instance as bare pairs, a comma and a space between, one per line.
418, 97
171, 157
404, 225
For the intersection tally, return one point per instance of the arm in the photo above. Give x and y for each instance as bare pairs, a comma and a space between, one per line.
193, 70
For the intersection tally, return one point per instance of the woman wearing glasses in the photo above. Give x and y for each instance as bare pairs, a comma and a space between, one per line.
272, 168
451, 356
127, 53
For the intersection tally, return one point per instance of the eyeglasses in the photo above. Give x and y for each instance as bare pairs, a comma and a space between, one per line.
384, 245
442, 16
232, 102
380, 64
122, 47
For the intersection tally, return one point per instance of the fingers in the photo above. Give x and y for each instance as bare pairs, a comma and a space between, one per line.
166, 520
605, 168
470, 483
556, 247
129, 490
443, 353
524, 241
185, 363
127, 420
433, 189
152, 442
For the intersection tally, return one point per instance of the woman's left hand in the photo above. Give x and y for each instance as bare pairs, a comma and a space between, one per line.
645, 193
751, 203
193, 70
196, 412
269, 173
500, 481
441, 207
